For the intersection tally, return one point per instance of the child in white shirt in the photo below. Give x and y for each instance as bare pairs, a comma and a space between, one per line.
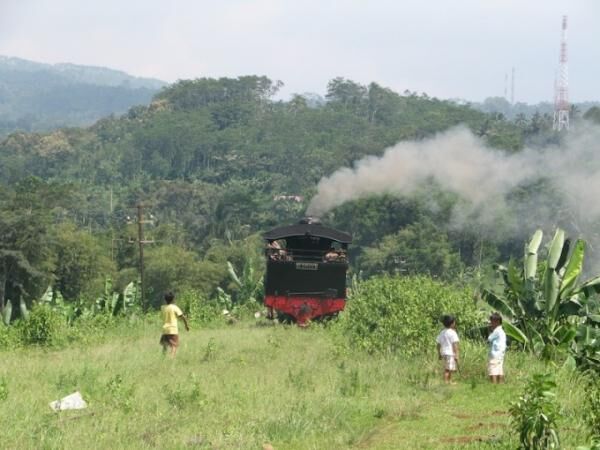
497, 341
447, 346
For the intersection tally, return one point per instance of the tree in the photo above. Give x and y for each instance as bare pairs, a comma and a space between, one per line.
418, 248
25, 246
172, 268
81, 263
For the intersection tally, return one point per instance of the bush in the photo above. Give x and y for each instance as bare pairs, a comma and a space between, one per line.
535, 414
592, 405
44, 326
9, 336
198, 308
390, 314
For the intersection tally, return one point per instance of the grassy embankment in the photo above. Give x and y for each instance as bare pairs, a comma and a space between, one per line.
243, 386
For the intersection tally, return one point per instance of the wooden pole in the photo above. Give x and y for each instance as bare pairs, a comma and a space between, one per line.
140, 221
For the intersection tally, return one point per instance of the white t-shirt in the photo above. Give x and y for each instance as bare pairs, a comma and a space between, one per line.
497, 342
446, 338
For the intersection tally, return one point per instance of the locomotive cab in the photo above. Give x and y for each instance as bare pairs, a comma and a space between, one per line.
305, 277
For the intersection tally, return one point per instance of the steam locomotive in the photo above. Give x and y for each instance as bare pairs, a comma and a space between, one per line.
306, 269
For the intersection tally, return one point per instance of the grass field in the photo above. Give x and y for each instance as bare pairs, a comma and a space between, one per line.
251, 387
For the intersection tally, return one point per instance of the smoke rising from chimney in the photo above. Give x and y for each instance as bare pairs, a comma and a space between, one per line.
459, 162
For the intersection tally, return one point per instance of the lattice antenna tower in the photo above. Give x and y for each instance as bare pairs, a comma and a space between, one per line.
512, 87
561, 85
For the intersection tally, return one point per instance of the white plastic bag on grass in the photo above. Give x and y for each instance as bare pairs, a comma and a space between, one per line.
71, 401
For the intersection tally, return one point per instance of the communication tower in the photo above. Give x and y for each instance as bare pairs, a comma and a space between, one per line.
512, 87
561, 85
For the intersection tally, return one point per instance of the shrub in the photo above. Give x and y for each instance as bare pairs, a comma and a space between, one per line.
44, 326
592, 405
534, 415
389, 314
9, 336
197, 307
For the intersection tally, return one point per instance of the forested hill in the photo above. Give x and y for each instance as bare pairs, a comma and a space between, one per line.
211, 159
36, 96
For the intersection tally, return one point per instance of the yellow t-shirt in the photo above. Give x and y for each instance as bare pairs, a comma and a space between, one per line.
170, 313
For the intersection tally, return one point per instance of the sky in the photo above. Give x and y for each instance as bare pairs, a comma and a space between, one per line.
459, 49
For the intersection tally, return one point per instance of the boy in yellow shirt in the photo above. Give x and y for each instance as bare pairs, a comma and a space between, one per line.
170, 332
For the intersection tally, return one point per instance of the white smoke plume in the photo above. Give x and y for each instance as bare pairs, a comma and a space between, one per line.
459, 162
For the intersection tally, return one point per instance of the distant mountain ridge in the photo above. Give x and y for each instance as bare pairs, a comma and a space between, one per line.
97, 75
39, 97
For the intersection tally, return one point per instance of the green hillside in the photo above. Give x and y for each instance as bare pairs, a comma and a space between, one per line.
209, 159
36, 96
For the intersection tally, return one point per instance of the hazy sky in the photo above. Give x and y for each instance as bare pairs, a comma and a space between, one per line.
448, 49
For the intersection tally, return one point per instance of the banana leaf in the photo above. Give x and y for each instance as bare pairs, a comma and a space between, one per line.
24, 310
233, 275
565, 334
531, 255
514, 278
497, 303
551, 284
130, 295
47, 295
590, 287
570, 307
514, 333
114, 303
564, 254
573, 269
555, 251
7, 312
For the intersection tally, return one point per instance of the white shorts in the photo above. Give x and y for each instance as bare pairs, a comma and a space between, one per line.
449, 363
496, 367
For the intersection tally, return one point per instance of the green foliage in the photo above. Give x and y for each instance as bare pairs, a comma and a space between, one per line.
212, 157
417, 248
198, 307
3, 389
402, 314
248, 284
182, 396
173, 268
10, 337
120, 393
548, 314
535, 414
45, 326
592, 405
80, 262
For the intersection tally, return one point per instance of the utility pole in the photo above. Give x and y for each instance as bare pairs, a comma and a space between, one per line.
141, 243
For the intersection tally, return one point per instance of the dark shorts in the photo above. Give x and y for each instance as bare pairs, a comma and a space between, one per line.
169, 340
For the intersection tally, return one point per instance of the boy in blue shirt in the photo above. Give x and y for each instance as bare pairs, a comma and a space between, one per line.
497, 341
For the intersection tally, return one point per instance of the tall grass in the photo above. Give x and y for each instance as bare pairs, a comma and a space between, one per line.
242, 386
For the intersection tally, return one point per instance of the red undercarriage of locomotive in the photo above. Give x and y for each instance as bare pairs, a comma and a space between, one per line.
304, 309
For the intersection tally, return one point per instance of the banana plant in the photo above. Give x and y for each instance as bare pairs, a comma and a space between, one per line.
544, 312
248, 284
53, 298
131, 296
108, 302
